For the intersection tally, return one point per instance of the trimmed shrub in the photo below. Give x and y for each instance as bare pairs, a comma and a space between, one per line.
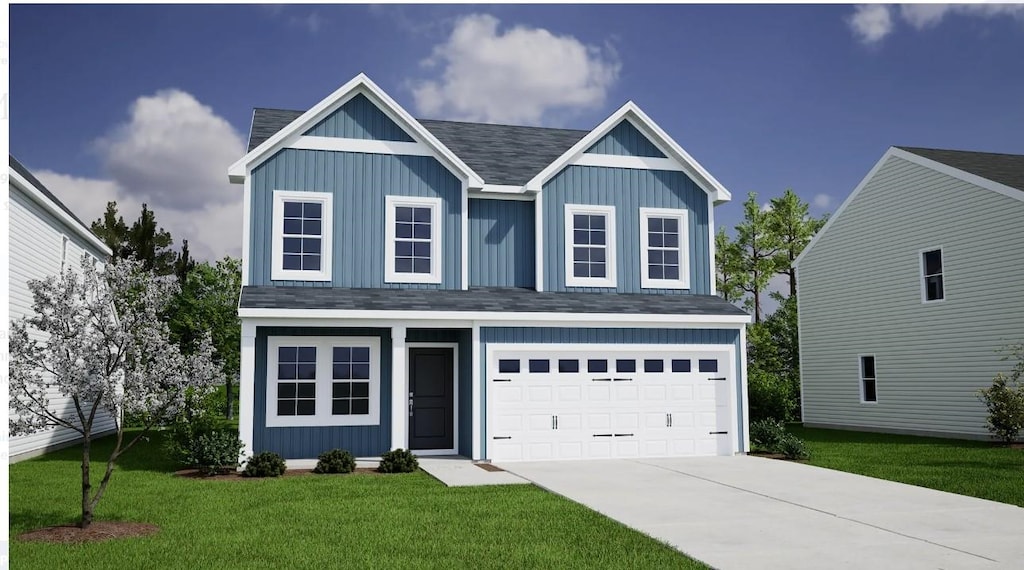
771, 396
335, 461
206, 444
767, 435
793, 447
264, 464
398, 461
1005, 402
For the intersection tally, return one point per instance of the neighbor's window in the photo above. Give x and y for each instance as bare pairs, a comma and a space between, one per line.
663, 253
301, 248
868, 392
589, 246
931, 265
412, 247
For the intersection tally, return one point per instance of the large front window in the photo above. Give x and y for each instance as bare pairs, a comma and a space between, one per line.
412, 241
589, 246
301, 248
663, 253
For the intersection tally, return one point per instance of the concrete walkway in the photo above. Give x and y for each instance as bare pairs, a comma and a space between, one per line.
749, 512
461, 472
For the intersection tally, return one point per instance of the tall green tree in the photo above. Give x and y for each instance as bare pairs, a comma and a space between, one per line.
759, 246
728, 264
113, 231
792, 225
144, 240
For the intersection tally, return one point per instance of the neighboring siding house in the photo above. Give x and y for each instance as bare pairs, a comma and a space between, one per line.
45, 238
498, 292
910, 291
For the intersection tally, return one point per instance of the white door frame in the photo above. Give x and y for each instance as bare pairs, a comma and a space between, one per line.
455, 395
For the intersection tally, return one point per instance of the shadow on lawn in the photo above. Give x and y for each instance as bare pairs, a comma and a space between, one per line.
819, 435
147, 455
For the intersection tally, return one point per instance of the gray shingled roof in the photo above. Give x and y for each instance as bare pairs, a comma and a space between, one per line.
20, 169
500, 154
482, 299
1005, 169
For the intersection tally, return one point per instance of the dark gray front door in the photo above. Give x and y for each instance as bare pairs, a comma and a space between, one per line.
432, 385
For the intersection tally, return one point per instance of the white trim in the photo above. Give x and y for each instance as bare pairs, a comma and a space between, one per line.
399, 389
745, 416
324, 381
634, 162
711, 245
64, 239
455, 395
436, 239
501, 196
464, 240
683, 249
316, 317
369, 146
50, 206
277, 273
359, 84
246, 388
246, 228
610, 279
476, 395
631, 112
861, 378
538, 244
503, 189
924, 282
920, 161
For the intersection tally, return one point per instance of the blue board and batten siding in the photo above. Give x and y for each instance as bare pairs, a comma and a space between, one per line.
359, 182
625, 140
628, 190
359, 119
501, 243
620, 336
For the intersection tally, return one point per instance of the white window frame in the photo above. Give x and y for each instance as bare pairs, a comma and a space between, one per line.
924, 278
324, 380
277, 272
436, 237
63, 252
610, 278
683, 217
861, 377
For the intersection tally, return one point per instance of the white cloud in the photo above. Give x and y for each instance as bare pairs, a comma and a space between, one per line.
822, 201
870, 22
517, 75
311, 22
172, 154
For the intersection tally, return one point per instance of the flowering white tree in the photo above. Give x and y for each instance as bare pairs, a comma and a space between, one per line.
105, 348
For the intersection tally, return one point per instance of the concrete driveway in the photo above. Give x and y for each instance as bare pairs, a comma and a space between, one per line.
749, 512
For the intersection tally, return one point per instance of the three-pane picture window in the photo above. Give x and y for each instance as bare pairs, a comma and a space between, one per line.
868, 380
663, 255
932, 286
590, 246
412, 247
301, 247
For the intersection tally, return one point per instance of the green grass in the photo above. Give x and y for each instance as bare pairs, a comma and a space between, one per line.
975, 468
358, 521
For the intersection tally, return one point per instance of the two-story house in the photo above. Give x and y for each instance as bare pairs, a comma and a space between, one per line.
498, 292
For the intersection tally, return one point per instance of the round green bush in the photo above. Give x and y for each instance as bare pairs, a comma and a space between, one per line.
792, 447
335, 461
264, 464
209, 446
766, 435
398, 461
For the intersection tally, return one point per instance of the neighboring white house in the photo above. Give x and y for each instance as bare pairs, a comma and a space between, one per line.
910, 291
45, 237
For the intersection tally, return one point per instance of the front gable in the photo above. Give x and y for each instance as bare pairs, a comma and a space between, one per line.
625, 140
359, 118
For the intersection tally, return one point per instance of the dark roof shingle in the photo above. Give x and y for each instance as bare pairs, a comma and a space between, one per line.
1006, 169
483, 299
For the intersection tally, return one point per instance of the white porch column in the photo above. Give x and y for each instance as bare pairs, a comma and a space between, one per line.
476, 399
246, 386
399, 390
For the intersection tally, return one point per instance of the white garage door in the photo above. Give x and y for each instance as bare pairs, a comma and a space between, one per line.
564, 402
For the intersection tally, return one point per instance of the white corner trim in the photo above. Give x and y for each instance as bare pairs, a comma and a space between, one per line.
277, 272
631, 112
711, 246
683, 249
634, 162
610, 279
308, 142
50, 206
464, 240
246, 387
923, 278
436, 238
399, 389
538, 244
744, 385
246, 221
475, 394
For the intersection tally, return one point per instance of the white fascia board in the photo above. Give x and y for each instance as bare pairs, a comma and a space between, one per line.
631, 112
309, 142
50, 206
503, 188
359, 84
634, 162
502, 196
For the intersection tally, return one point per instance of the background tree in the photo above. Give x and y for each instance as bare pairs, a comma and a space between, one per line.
104, 348
144, 240
759, 247
793, 227
728, 262
113, 231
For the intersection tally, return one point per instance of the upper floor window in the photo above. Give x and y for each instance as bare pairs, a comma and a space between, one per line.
412, 240
63, 253
931, 276
301, 247
664, 258
868, 387
589, 246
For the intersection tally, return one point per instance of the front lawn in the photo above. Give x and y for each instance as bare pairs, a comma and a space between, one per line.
355, 521
975, 468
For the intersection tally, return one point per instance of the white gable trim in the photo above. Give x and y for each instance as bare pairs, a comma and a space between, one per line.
50, 206
361, 145
360, 84
632, 113
920, 161
619, 161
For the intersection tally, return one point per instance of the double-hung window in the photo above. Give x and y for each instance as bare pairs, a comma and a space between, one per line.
868, 380
412, 240
323, 381
932, 286
589, 246
301, 248
664, 259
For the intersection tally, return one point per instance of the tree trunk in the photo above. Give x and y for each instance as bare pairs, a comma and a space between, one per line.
792, 282
86, 486
757, 306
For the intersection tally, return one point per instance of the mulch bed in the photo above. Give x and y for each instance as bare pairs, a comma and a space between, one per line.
98, 531
488, 467
237, 476
767, 455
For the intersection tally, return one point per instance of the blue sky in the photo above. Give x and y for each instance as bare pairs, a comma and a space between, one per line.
151, 103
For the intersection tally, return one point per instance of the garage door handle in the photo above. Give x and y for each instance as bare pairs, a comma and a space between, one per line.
623, 435
722, 379
717, 432
502, 437
502, 380
601, 380
623, 379
604, 435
